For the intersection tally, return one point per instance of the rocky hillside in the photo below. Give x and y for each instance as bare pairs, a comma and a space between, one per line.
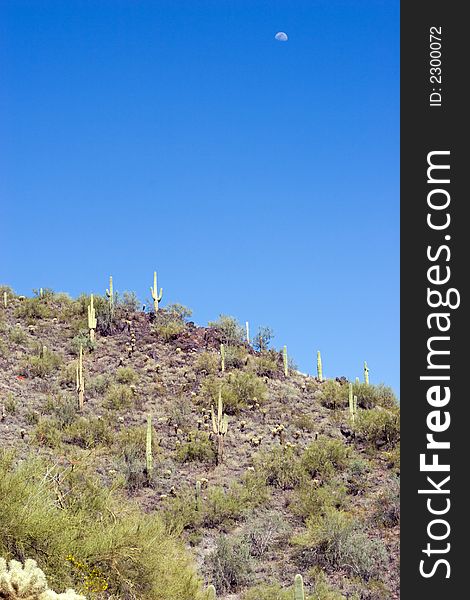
130, 487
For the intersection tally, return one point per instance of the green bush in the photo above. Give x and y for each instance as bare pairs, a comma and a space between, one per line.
17, 335
239, 389
379, 426
82, 339
281, 467
129, 301
337, 542
387, 505
271, 591
312, 499
42, 364
137, 557
324, 457
229, 330
119, 396
207, 362
235, 357
126, 375
33, 309
263, 338
89, 432
369, 396
198, 448
333, 394
267, 364
229, 565
46, 433
98, 385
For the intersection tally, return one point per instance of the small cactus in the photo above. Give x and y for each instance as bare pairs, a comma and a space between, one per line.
222, 358
211, 593
80, 380
91, 319
366, 373
5, 299
219, 427
319, 367
148, 449
156, 296
352, 403
299, 593
285, 361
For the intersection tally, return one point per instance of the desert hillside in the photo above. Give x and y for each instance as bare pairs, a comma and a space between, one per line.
144, 457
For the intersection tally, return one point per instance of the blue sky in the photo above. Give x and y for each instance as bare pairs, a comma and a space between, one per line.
260, 178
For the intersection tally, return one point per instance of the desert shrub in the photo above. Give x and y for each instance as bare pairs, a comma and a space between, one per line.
82, 339
281, 467
207, 362
313, 499
198, 448
356, 475
126, 375
180, 412
369, 396
235, 357
387, 505
238, 390
379, 426
179, 513
135, 439
170, 330
89, 432
333, 394
119, 396
46, 433
322, 590
229, 565
393, 457
263, 338
324, 457
17, 335
134, 469
10, 404
338, 542
62, 408
98, 385
272, 591
267, 364
304, 422
33, 309
42, 364
133, 550
179, 311
229, 330
129, 301
264, 531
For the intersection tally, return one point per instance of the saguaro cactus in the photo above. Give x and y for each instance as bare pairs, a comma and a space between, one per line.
110, 294
247, 325
366, 373
157, 297
352, 403
148, 449
91, 319
197, 495
219, 427
286, 361
319, 367
5, 299
80, 384
222, 357
299, 593
211, 593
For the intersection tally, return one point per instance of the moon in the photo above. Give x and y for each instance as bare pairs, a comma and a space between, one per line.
281, 36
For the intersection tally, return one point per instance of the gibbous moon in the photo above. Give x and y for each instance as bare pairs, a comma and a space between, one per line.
281, 36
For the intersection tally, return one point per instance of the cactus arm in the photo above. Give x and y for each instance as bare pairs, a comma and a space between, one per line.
211, 593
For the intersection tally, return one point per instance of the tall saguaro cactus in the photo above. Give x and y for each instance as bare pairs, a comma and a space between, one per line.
148, 449
91, 319
286, 361
319, 367
247, 326
80, 383
299, 593
156, 296
110, 295
366, 373
5, 299
219, 427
